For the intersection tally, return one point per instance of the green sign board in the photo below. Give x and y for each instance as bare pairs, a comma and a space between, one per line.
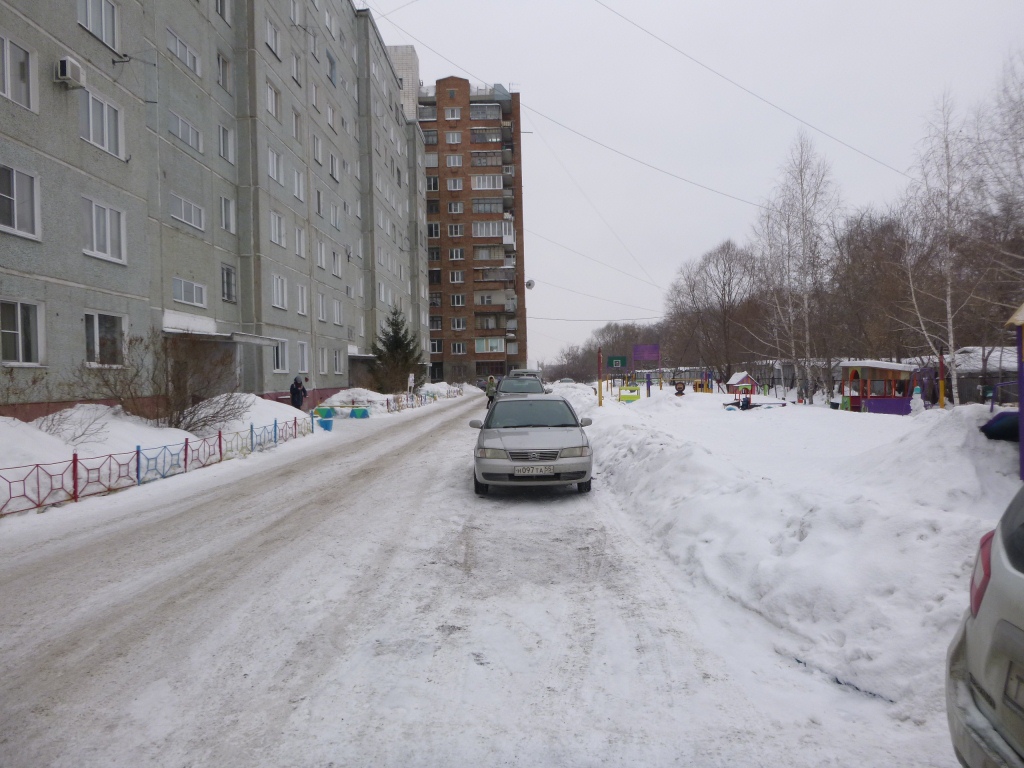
617, 362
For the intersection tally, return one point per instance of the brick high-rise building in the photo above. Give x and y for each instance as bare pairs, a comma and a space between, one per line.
474, 230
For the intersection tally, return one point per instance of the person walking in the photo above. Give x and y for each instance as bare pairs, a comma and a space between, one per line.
298, 392
492, 386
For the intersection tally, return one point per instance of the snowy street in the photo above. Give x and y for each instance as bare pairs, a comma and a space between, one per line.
352, 602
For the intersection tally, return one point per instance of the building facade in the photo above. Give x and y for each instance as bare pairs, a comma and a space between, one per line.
239, 173
474, 214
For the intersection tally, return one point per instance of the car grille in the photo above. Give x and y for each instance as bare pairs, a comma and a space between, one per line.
533, 455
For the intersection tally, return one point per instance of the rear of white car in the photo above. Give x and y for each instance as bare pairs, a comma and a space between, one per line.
985, 664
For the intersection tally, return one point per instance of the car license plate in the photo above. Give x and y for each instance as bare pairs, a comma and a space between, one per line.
539, 470
1013, 693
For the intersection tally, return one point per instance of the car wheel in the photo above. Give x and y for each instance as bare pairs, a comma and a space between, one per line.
479, 488
583, 487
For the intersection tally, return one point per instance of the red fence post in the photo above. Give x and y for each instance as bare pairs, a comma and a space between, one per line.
74, 476
220, 444
186, 454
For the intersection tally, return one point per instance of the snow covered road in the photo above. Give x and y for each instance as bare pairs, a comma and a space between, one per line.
354, 603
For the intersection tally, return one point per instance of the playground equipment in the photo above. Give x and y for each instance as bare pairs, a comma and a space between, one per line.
629, 393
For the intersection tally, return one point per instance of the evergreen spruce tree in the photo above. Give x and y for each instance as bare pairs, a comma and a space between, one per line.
398, 354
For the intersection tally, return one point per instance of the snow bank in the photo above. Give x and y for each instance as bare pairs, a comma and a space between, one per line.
854, 534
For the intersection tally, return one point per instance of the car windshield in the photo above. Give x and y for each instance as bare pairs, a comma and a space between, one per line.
511, 414
521, 385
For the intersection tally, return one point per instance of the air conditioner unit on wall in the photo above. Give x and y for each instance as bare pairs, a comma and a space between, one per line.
70, 72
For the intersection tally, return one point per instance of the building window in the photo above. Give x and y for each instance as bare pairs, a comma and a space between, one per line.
335, 216
297, 125
277, 232
456, 276
299, 184
228, 283
488, 158
303, 304
436, 346
432, 184
339, 361
332, 69
453, 137
433, 276
273, 38
485, 136
226, 143
295, 12
103, 231
300, 242
319, 202
490, 344
456, 230
435, 323
458, 323
458, 347
430, 159
222, 9
321, 307
454, 185
487, 205
455, 207
280, 287
20, 332
296, 68
339, 315
433, 229
318, 149
486, 182
456, 254
15, 72
227, 214
224, 72
458, 299
99, 123
185, 131
100, 18
487, 228
280, 356
180, 49
188, 292
452, 113
433, 254
321, 254
429, 138
275, 168
333, 166
454, 161
187, 212
330, 117
18, 202
104, 341
336, 264
323, 360
487, 252
273, 100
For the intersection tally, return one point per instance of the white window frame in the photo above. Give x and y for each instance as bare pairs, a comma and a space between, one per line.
103, 248
322, 352
436, 346
227, 214
454, 185
456, 230
279, 288
458, 299
300, 242
275, 165
321, 254
223, 71
339, 311
321, 307
303, 356
430, 159
339, 361
183, 129
279, 356
273, 100
453, 113
37, 342
492, 228
277, 229
18, 198
9, 70
274, 38
302, 306
97, 363
106, 130
457, 276
182, 288
456, 254
226, 143
223, 9
453, 161
183, 52
228, 284
299, 184
458, 323
458, 347
187, 212
105, 27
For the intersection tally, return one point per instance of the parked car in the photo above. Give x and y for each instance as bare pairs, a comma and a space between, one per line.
566, 381
985, 663
532, 440
519, 385
524, 372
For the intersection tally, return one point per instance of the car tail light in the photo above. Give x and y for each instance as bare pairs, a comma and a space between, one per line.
982, 572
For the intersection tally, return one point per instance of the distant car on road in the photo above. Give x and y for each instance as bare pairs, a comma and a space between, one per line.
532, 440
985, 663
518, 385
566, 381
524, 372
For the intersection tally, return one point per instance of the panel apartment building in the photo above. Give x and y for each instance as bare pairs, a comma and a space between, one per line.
237, 172
474, 230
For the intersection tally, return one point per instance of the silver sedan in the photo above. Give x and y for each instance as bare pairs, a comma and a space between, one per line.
532, 440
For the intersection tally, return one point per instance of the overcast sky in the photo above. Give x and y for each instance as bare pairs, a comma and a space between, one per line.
867, 73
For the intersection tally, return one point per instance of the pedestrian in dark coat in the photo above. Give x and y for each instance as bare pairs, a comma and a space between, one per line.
298, 392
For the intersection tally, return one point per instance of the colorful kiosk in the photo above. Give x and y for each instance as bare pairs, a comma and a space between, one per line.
877, 386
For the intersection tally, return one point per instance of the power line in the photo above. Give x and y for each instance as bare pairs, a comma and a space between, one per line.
746, 90
589, 296
593, 320
591, 258
637, 160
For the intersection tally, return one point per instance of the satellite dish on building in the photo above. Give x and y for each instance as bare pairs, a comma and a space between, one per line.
530, 283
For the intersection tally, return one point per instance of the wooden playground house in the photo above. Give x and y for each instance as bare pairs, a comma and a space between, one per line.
741, 383
877, 386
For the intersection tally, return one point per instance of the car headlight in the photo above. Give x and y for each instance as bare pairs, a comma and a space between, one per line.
575, 453
491, 453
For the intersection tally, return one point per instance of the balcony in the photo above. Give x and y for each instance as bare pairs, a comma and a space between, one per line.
498, 274
508, 231
510, 306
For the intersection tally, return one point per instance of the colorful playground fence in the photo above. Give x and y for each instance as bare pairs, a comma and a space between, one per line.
42, 485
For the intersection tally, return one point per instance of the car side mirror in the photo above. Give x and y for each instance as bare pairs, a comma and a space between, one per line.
586, 421
476, 424
548, 390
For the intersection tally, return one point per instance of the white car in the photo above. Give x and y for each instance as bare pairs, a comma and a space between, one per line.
532, 440
985, 664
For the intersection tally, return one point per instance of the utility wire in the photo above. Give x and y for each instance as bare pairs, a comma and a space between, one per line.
746, 90
591, 258
637, 160
593, 320
589, 296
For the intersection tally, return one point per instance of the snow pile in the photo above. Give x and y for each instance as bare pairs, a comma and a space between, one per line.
261, 412
854, 534
357, 397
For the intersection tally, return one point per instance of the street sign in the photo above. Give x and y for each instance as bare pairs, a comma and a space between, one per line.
618, 362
